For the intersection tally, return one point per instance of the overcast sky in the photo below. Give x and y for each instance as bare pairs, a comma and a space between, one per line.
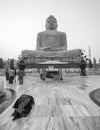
21, 20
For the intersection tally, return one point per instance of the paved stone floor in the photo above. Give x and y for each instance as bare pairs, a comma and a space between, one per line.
59, 105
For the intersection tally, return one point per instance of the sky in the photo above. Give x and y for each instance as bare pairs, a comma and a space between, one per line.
21, 20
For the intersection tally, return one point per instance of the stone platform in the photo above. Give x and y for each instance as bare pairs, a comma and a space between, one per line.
59, 105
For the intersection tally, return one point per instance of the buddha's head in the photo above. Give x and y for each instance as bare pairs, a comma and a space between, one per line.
51, 23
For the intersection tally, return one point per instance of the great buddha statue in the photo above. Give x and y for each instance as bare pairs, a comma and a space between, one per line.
51, 43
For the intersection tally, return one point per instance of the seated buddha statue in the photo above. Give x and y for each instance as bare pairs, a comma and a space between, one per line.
51, 43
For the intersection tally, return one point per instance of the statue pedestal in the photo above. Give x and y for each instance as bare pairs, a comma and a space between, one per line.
44, 59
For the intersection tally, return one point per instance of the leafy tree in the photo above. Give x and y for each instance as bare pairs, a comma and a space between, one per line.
12, 63
1, 63
99, 60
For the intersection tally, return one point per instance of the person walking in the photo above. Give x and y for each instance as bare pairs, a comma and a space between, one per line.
11, 76
20, 76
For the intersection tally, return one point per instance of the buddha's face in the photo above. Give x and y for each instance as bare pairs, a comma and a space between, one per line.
51, 24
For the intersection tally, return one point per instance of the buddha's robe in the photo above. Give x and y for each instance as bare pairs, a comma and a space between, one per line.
51, 43
51, 40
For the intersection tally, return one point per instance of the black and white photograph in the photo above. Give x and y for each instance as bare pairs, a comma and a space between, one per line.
49, 64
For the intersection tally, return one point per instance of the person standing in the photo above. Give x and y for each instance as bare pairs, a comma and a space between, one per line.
7, 74
15, 73
20, 76
11, 76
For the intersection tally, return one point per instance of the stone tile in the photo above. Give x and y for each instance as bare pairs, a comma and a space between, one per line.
58, 105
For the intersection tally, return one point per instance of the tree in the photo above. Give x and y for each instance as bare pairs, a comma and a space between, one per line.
21, 65
90, 64
1, 63
12, 63
99, 60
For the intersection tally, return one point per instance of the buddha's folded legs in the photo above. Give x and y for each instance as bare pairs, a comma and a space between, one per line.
68, 53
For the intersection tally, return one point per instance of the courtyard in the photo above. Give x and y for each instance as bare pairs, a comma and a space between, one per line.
59, 105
